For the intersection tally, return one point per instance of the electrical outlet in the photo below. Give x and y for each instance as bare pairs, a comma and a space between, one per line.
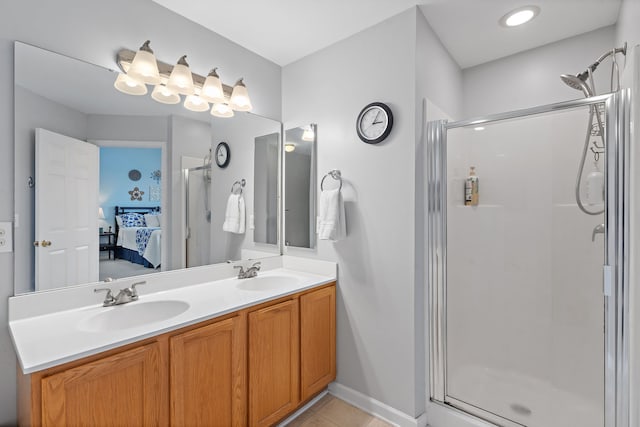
6, 237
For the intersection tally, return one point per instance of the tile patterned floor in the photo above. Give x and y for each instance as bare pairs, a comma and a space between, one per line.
333, 412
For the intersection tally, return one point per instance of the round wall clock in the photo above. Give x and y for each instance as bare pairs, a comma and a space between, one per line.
374, 123
223, 155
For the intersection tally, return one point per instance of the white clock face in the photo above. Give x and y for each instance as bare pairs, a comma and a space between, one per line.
373, 123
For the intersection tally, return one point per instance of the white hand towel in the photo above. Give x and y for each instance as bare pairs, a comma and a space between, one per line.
234, 218
331, 218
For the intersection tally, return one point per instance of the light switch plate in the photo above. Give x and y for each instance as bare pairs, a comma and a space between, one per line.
6, 237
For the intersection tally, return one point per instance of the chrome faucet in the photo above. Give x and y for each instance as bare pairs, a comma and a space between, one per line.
124, 296
249, 272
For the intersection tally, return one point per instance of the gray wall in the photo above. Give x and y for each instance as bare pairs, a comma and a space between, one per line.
380, 346
95, 31
532, 77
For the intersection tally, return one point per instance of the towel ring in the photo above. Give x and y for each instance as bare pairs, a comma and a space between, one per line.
240, 184
335, 174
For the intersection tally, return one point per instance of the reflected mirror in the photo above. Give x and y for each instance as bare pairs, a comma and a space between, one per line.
114, 185
300, 186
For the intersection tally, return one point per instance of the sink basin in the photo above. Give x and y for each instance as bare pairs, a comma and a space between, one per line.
132, 315
266, 283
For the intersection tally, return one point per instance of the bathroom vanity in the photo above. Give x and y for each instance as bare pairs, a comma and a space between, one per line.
232, 353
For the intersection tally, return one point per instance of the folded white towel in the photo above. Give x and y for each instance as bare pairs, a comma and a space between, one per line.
331, 216
234, 218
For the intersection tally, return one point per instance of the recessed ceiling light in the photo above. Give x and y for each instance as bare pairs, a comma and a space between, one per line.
519, 16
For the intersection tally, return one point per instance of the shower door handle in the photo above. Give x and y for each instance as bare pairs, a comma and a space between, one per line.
598, 229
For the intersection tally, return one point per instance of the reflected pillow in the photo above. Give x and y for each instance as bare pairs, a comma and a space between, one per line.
133, 220
152, 220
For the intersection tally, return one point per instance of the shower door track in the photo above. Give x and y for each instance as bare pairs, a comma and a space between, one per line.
615, 268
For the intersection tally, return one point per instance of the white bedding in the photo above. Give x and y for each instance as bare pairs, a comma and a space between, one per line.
152, 253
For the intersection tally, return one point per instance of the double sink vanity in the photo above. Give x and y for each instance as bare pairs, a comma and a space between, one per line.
197, 347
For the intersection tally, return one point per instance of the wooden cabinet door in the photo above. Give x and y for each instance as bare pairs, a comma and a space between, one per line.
274, 346
208, 375
126, 389
317, 340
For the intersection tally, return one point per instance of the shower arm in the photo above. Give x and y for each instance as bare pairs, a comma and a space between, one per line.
592, 67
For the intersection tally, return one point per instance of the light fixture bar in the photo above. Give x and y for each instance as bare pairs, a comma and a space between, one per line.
125, 56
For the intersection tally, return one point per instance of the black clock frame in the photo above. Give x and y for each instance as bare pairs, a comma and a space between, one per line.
226, 163
386, 132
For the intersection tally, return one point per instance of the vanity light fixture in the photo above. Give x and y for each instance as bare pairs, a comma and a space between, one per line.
181, 80
240, 97
196, 103
308, 134
212, 89
165, 96
125, 84
289, 147
144, 67
519, 16
221, 110
176, 80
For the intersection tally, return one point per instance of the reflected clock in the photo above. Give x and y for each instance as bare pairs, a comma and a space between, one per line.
223, 155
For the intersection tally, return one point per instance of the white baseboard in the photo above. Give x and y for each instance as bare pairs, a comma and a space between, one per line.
375, 407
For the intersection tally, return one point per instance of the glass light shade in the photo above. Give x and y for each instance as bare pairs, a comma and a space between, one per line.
212, 88
196, 103
240, 97
308, 134
289, 147
101, 213
144, 67
221, 110
126, 84
181, 80
165, 96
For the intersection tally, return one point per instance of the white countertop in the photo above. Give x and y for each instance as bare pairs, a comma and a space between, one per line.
51, 339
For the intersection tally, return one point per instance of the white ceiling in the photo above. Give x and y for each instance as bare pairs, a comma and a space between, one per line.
470, 31
287, 30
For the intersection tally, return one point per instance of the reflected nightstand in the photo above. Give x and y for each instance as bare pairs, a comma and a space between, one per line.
108, 243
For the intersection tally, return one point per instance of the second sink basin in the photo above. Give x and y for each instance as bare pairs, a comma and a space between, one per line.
266, 283
132, 315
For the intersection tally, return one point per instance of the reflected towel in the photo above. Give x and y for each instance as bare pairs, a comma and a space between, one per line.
234, 218
331, 216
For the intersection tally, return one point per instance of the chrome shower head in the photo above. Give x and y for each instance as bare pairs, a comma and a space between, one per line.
578, 82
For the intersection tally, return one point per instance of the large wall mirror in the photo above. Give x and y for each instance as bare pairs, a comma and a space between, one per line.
113, 185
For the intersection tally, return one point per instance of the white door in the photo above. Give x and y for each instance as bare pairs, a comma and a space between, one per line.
67, 172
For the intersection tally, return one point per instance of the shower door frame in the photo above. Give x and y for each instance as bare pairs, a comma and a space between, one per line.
186, 174
615, 268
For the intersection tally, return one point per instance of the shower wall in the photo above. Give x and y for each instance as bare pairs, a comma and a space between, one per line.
524, 287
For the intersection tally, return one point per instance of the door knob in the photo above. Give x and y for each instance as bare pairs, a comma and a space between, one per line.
44, 243
36, 243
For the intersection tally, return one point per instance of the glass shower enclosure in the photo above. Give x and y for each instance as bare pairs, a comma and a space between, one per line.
527, 293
